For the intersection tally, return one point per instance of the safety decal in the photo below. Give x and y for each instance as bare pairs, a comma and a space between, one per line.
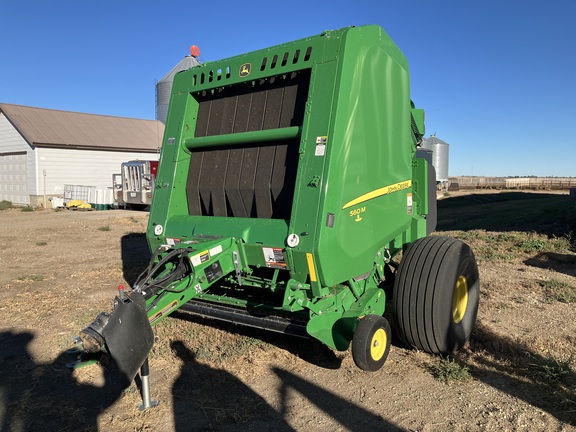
409, 203
386, 190
320, 145
215, 250
200, 258
274, 257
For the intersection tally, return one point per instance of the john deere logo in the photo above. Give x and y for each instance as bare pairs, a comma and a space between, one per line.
245, 69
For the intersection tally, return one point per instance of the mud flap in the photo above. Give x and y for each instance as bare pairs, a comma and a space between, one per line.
129, 336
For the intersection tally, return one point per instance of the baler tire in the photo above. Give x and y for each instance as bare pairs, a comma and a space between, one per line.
371, 343
436, 295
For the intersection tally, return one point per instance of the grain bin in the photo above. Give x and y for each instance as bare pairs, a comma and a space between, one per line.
164, 86
440, 152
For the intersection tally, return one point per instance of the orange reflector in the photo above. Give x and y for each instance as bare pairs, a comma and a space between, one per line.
194, 51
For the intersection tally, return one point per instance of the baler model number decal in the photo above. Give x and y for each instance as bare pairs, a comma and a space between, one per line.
386, 190
357, 212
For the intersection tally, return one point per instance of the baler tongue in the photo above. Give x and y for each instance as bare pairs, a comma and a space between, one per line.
127, 334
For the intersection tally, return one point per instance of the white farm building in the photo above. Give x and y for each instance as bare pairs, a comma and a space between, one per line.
42, 150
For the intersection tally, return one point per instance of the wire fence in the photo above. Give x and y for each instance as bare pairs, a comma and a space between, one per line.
534, 183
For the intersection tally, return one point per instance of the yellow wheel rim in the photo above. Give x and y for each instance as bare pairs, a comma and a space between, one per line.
460, 299
378, 344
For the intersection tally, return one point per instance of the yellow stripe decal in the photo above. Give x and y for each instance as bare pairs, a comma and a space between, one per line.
379, 192
163, 312
311, 268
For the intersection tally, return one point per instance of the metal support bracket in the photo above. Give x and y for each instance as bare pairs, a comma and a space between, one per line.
147, 402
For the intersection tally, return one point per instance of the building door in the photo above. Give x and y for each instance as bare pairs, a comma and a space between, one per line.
13, 178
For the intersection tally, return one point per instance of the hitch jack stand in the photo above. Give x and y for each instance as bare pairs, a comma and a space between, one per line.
145, 377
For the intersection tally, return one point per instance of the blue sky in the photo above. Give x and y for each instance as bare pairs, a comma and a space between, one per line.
496, 77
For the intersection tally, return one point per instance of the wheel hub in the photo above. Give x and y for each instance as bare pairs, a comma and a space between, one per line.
460, 299
378, 346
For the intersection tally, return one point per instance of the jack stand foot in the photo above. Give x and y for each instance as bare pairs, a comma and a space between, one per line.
145, 377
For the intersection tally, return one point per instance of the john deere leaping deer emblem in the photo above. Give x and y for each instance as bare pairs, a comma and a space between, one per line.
245, 69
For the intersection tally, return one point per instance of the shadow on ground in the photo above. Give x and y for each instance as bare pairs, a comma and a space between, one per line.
558, 262
512, 368
548, 214
135, 255
43, 397
218, 400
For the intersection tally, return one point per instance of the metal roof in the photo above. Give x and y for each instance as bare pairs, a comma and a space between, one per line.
184, 64
65, 129
433, 140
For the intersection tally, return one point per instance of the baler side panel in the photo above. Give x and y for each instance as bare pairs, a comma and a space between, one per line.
370, 149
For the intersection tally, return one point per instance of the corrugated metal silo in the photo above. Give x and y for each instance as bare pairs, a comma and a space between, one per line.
440, 156
164, 86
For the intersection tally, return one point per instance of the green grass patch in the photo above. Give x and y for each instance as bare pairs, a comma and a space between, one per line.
104, 228
448, 370
507, 246
41, 243
554, 370
27, 209
559, 291
229, 348
5, 205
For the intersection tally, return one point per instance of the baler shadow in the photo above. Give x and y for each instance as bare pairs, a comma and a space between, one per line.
207, 398
513, 368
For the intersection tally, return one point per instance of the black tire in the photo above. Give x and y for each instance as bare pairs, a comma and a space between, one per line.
436, 294
371, 343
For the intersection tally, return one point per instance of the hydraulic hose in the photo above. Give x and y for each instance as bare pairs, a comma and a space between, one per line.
147, 286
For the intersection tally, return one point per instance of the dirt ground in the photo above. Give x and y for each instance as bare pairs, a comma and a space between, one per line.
60, 269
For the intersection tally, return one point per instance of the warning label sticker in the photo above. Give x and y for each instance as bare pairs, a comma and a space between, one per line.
320, 145
274, 257
409, 203
200, 258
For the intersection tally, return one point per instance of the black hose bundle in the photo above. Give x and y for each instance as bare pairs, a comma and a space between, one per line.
148, 286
